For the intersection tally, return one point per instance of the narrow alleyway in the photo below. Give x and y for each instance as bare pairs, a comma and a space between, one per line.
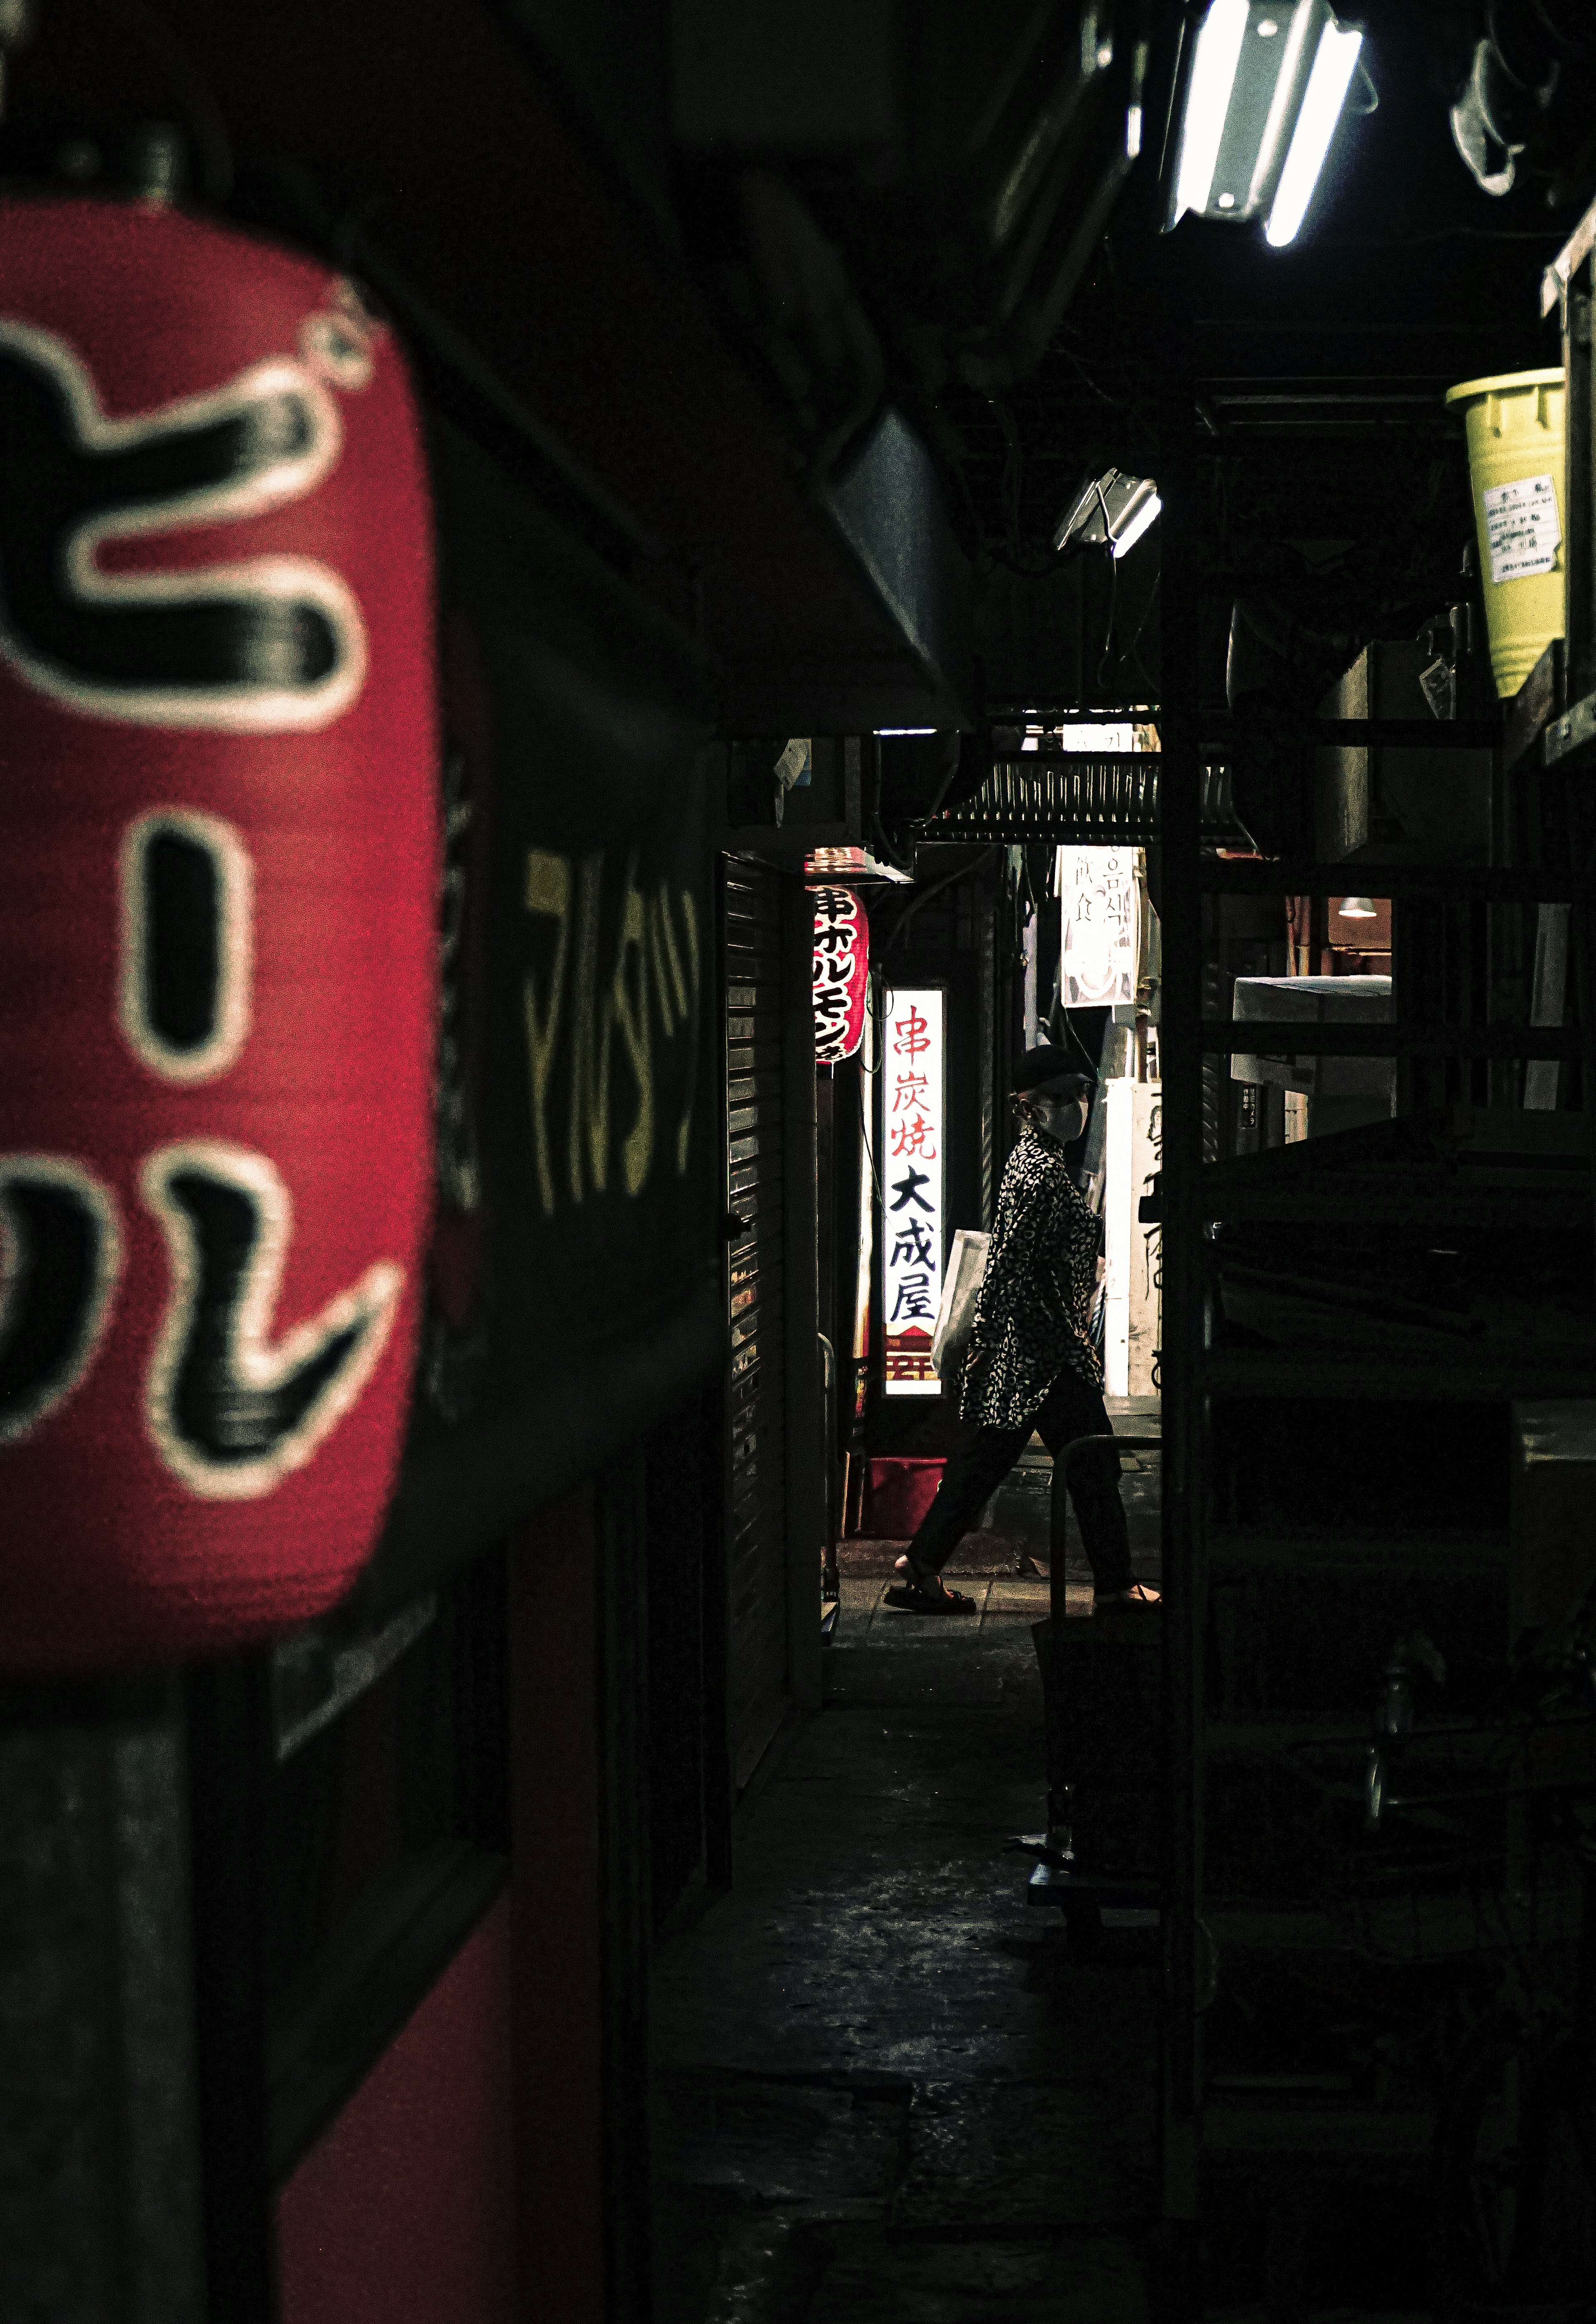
887, 2089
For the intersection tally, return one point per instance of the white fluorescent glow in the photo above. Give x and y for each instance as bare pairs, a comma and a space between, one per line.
1328, 84
1145, 515
1208, 100
1133, 131
1286, 83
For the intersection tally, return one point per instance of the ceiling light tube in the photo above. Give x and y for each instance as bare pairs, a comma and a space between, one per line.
1139, 515
1328, 83
1208, 101
1287, 88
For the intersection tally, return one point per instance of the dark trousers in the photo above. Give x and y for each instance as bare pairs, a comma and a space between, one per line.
985, 1457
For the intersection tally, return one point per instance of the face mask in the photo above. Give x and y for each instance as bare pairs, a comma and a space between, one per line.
1063, 1121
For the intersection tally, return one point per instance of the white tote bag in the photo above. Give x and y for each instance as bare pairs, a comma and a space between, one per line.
956, 1317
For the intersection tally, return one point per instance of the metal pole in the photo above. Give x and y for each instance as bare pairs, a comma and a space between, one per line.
1579, 515
1181, 1057
808, 1453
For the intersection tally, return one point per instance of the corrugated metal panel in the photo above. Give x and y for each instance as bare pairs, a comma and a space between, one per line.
757, 1519
1107, 800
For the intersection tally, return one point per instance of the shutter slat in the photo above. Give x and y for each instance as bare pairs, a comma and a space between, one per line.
756, 1546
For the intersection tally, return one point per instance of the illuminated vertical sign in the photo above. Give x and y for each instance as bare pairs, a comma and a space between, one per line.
842, 965
912, 1118
1101, 932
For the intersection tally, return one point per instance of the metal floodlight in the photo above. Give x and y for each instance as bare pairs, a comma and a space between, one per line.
1109, 512
1263, 86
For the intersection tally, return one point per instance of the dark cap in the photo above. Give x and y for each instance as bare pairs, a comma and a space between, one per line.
1047, 1064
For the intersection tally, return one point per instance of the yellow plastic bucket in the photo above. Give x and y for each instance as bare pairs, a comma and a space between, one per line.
1515, 431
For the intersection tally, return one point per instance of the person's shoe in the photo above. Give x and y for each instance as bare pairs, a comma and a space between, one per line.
926, 1593
1141, 1594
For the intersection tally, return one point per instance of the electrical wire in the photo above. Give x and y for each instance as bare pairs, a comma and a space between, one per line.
868, 1073
1131, 653
935, 889
1113, 609
1073, 360
1114, 582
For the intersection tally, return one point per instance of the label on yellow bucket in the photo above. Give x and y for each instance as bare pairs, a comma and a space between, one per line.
1522, 527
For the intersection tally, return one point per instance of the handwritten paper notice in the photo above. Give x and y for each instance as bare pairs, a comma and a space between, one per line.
1522, 528
1101, 931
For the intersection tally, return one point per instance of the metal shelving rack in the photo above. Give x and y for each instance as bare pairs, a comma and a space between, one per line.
1178, 799
1542, 737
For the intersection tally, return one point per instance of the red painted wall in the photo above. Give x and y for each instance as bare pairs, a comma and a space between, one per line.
404, 2209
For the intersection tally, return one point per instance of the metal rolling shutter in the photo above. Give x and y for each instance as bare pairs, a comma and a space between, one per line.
756, 1528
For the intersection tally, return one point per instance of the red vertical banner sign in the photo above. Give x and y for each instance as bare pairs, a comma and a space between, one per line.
842, 972
218, 840
911, 1175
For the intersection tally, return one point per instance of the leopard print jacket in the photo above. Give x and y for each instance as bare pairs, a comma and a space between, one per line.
1033, 1311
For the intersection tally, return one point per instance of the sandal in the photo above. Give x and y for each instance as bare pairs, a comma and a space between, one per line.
1139, 1594
926, 1593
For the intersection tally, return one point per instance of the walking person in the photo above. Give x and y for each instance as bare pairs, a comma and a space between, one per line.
1031, 1364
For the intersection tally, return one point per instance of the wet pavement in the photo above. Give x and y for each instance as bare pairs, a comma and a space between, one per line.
887, 2092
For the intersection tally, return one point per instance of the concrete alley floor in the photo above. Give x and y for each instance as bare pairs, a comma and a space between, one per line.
887, 2091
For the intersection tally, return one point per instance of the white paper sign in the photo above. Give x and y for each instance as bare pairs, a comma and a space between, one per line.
1522, 528
1101, 936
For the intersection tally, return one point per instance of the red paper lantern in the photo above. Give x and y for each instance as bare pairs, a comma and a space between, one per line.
217, 881
842, 965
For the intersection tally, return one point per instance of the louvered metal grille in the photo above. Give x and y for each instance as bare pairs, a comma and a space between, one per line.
756, 1528
1106, 799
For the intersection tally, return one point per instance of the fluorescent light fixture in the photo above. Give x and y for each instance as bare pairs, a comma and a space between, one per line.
1290, 66
1315, 126
1109, 511
1208, 100
1142, 514
1263, 89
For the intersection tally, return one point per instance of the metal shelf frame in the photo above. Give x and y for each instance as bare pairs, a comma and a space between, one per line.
1300, 1036
1191, 1033
1479, 883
